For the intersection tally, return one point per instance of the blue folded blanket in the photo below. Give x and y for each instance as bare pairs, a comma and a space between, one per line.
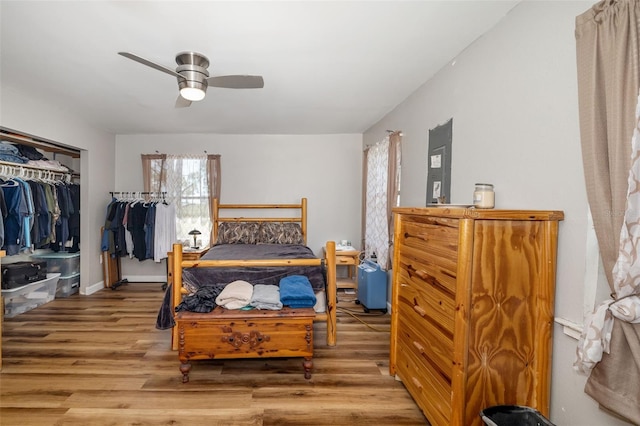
296, 292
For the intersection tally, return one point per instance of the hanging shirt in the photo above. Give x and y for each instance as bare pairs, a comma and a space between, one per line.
135, 224
16, 211
165, 230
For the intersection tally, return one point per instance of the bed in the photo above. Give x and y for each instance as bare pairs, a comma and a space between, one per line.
261, 247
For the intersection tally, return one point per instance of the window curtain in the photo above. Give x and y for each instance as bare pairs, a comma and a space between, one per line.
190, 182
153, 171
382, 183
393, 184
213, 176
607, 43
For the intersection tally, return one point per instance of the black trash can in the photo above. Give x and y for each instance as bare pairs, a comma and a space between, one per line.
513, 415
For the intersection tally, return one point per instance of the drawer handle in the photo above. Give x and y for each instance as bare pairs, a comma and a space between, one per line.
419, 310
422, 274
418, 346
416, 382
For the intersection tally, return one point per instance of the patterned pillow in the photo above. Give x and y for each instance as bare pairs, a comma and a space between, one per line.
238, 232
280, 233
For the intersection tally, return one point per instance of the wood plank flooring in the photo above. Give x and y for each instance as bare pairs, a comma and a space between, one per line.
99, 360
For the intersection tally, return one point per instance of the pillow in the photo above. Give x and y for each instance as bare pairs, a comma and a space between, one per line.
280, 233
237, 232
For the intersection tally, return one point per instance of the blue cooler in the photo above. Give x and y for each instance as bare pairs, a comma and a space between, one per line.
372, 286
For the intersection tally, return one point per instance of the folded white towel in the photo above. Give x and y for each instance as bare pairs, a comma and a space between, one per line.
235, 295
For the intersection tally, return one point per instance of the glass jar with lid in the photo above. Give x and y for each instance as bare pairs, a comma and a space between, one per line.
483, 196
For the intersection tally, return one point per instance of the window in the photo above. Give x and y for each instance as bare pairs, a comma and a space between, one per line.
190, 182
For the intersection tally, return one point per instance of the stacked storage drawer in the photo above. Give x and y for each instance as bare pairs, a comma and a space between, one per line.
68, 266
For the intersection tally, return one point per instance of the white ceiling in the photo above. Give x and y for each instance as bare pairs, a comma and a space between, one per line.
328, 66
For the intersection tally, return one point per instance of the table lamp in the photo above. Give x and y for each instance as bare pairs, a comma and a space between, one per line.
195, 234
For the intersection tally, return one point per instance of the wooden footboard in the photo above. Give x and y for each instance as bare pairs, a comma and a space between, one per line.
176, 263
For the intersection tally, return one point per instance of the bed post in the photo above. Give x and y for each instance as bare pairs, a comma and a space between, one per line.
216, 216
332, 292
176, 278
303, 217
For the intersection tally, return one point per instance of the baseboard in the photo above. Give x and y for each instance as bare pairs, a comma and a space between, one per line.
146, 278
92, 288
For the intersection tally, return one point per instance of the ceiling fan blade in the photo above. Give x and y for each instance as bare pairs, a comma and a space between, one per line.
182, 102
148, 63
237, 81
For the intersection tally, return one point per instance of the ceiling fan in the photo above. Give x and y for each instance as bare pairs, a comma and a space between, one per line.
193, 77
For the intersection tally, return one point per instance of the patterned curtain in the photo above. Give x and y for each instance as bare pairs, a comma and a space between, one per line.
607, 43
376, 219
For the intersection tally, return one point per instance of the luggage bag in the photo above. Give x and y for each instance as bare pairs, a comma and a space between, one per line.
20, 273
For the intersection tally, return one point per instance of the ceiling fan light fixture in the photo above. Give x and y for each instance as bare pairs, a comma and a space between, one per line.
193, 94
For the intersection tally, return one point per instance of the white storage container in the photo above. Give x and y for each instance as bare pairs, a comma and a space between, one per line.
65, 263
30, 296
68, 286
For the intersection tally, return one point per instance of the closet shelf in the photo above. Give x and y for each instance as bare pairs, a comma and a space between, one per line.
45, 145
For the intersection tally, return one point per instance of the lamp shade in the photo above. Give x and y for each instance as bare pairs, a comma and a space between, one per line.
195, 233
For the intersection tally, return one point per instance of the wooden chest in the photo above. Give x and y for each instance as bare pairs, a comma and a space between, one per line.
472, 309
225, 333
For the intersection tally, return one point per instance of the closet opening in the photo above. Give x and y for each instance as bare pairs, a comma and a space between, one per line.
40, 202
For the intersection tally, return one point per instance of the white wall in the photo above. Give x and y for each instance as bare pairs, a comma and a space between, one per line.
326, 169
513, 98
38, 117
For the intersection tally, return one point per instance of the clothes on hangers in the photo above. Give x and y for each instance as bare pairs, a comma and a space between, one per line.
32, 217
138, 228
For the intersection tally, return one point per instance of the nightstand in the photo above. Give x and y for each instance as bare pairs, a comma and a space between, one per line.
194, 254
350, 259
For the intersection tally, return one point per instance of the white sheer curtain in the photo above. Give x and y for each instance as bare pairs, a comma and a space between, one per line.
187, 187
376, 219
186, 181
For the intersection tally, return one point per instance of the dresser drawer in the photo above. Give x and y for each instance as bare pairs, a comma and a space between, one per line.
429, 389
426, 340
433, 235
428, 299
203, 339
430, 252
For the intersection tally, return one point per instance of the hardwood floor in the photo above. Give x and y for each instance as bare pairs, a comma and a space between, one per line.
99, 360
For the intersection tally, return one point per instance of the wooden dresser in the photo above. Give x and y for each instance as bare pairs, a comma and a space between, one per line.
472, 309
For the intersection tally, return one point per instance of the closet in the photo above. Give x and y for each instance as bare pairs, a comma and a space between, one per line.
39, 176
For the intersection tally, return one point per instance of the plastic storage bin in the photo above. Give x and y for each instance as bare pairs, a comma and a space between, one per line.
513, 415
65, 263
68, 286
30, 296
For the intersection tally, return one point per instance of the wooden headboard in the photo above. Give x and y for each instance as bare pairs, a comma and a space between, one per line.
300, 217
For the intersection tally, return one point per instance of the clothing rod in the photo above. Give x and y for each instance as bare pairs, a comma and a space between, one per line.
31, 172
138, 192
